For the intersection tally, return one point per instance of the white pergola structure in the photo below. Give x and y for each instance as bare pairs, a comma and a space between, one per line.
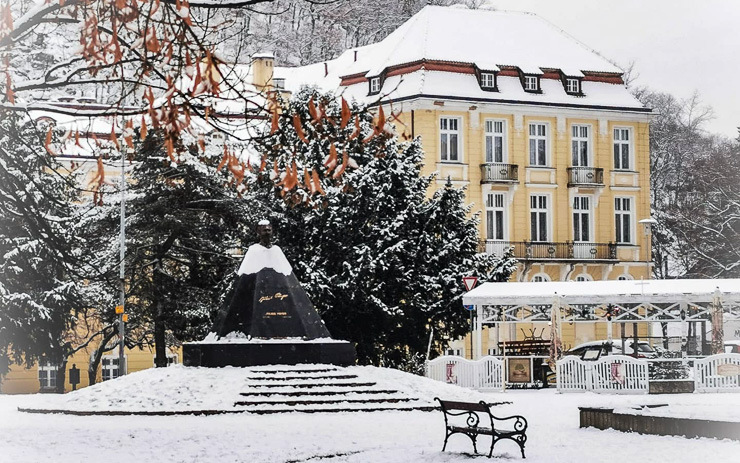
679, 301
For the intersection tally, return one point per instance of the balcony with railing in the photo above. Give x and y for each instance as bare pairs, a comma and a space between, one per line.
494, 172
586, 176
551, 251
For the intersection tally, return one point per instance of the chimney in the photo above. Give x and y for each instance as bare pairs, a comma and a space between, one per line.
326, 69
355, 55
262, 70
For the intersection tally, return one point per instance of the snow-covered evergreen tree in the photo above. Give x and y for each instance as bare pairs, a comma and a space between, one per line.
40, 276
182, 223
381, 260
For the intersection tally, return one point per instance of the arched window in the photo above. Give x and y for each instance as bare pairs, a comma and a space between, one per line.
541, 277
584, 277
625, 276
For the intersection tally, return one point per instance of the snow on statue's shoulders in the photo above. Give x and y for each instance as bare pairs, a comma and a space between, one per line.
259, 257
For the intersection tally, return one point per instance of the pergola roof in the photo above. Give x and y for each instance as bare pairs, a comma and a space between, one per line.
604, 292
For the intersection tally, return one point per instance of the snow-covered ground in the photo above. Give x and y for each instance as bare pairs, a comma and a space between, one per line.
553, 436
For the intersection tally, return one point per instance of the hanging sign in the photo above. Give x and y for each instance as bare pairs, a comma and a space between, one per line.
469, 307
119, 309
470, 282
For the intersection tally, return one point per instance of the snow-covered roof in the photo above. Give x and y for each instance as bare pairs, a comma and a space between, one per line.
596, 292
486, 38
489, 40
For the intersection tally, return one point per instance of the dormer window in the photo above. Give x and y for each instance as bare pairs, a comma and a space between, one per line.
531, 83
487, 80
374, 85
572, 86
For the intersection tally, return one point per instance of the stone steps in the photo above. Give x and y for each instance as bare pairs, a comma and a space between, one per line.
320, 390
291, 393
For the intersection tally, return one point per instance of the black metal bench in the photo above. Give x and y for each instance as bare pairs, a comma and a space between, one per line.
474, 421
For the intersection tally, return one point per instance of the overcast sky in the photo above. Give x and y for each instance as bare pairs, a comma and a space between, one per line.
678, 46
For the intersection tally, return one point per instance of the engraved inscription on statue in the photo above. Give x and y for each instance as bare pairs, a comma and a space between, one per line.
278, 296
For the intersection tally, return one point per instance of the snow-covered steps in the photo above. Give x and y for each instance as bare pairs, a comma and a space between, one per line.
313, 390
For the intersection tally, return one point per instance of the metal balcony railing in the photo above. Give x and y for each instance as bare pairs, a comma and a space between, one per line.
569, 250
494, 172
585, 176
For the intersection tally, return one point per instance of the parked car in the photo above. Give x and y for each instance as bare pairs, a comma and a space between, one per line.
644, 349
732, 346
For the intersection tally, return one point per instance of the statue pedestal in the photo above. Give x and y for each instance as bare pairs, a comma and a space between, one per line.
268, 352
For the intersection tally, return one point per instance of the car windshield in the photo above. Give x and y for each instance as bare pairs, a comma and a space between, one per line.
644, 347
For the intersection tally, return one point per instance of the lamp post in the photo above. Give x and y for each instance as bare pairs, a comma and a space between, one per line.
647, 225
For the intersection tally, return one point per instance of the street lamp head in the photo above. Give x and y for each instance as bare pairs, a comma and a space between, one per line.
647, 224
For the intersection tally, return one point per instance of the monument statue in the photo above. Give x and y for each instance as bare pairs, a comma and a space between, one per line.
268, 301
269, 318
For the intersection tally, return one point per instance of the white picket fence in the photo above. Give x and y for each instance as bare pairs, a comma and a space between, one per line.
614, 374
717, 373
484, 374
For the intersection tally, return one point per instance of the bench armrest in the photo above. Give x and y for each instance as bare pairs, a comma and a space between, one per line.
520, 423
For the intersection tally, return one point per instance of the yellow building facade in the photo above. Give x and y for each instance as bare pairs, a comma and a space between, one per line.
552, 148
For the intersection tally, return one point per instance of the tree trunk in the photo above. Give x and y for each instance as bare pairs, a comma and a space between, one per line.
61, 377
160, 347
97, 356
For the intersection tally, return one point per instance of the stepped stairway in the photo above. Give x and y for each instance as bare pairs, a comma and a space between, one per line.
322, 389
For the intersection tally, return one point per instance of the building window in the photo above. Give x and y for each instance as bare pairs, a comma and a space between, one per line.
539, 217
581, 219
572, 86
48, 375
109, 367
495, 141
623, 220
584, 277
538, 144
541, 278
531, 83
449, 130
579, 145
624, 277
495, 216
456, 352
622, 149
279, 83
487, 80
374, 85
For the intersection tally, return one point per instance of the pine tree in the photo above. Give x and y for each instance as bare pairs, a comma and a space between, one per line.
380, 259
182, 223
40, 267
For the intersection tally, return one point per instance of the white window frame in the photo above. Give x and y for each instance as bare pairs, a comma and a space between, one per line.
583, 277
539, 210
104, 367
588, 211
617, 141
531, 83
541, 278
496, 202
490, 137
457, 352
577, 141
374, 85
537, 138
572, 85
625, 277
487, 80
618, 221
445, 124
49, 379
